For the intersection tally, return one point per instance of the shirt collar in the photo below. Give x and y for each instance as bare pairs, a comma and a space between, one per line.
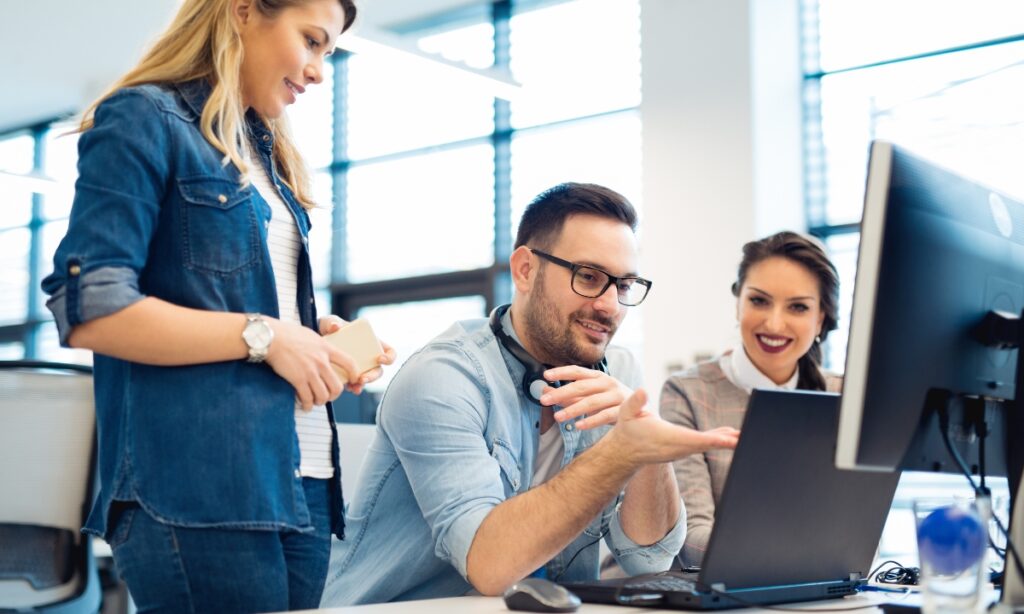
506, 325
196, 92
744, 374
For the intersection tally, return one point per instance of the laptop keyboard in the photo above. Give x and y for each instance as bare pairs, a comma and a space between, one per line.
661, 584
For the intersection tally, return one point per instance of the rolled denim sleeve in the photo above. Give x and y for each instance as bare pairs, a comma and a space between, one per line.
636, 559
122, 174
100, 292
434, 415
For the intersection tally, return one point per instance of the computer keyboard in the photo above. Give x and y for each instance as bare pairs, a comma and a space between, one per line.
660, 584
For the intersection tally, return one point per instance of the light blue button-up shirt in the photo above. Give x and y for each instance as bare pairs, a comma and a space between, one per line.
455, 438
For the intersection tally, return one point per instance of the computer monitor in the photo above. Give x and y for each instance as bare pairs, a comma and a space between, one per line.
936, 330
938, 252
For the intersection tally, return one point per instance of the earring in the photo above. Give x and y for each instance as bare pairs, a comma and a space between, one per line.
817, 339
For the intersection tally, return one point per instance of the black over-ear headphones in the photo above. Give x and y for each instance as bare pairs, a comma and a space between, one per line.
533, 383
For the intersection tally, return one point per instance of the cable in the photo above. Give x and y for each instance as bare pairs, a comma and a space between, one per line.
900, 574
883, 564
577, 553
981, 427
944, 428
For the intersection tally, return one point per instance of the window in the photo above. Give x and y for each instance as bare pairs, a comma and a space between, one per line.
21, 223
393, 106
415, 323
433, 173
419, 174
579, 58
14, 275
445, 201
948, 91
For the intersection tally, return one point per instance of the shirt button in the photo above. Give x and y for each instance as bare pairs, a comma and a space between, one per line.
74, 269
222, 199
266, 137
298, 473
312, 301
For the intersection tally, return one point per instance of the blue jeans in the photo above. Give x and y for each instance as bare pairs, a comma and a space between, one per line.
175, 569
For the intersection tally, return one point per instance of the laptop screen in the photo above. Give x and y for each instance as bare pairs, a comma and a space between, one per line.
787, 515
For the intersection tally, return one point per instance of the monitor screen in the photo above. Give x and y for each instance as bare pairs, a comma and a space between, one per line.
937, 252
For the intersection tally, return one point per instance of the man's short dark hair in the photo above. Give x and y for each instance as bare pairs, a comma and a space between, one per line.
544, 218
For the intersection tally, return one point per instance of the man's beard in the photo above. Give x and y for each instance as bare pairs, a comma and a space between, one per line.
555, 340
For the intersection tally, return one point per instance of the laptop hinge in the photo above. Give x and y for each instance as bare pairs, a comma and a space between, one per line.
718, 587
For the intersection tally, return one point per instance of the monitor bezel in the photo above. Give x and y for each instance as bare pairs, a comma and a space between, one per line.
851, 406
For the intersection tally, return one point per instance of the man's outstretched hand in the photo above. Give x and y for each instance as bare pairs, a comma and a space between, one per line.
645, 438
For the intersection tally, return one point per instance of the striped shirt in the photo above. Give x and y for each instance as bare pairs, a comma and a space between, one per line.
314, 430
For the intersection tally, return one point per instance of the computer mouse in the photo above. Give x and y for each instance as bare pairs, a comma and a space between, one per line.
540, 595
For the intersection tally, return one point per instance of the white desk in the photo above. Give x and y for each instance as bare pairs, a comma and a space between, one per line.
494, 605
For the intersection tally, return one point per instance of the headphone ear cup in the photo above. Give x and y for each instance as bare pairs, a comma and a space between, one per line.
534, 385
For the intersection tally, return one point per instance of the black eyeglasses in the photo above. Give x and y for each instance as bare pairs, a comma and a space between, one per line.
589, 282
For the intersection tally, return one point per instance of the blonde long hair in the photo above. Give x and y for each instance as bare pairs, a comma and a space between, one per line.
203, 43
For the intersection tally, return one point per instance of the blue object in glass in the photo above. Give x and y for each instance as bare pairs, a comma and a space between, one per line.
951, 540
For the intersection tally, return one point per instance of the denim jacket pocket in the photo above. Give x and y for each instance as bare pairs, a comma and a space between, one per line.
510, 470
221, 232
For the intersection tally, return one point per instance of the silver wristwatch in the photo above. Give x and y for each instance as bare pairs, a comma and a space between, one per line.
257, 334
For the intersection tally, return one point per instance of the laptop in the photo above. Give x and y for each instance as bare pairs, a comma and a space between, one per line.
789, 526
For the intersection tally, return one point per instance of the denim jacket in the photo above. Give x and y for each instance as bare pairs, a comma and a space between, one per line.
157, 214
456, 437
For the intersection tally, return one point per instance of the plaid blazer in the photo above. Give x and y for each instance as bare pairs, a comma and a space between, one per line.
703, 398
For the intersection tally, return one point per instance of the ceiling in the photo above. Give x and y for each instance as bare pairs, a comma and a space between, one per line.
61, 54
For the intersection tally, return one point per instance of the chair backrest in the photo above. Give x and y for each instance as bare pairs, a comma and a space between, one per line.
353, 442
47, 451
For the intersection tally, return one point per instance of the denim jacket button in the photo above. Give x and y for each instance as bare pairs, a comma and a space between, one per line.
74, 270
222, 199
266, 137
298, 474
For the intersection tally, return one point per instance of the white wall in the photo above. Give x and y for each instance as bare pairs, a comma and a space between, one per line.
721, 161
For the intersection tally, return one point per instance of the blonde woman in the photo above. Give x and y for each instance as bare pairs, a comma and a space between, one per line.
185, 269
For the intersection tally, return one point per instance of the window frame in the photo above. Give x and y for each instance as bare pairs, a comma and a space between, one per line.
493, 282
27, 331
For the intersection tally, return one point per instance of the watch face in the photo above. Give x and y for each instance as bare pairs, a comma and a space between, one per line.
257, 334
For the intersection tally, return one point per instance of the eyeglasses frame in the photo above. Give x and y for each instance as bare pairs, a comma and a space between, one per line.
612, 279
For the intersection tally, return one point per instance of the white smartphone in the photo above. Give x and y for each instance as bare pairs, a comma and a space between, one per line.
358, 341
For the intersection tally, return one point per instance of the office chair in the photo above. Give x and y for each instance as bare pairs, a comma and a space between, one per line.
353, 443
48, 460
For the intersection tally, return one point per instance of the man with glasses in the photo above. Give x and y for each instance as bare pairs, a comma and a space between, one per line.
510, 447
